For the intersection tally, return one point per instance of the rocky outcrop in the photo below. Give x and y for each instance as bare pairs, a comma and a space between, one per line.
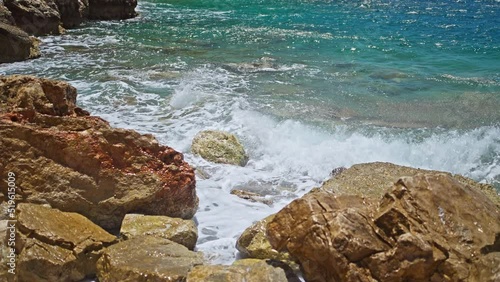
6, 15
178, 230
240, 271
79, 163
146, 258
73, 12
16, 45
219, 147
370, 180
57, 246
36, 17
426, 227
112, 9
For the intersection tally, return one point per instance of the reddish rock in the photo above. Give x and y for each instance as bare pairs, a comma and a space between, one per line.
79, 163
427, 227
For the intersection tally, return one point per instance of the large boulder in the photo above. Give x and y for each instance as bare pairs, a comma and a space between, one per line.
16, 45
112, 9
36, 17
179, 230
371, 180
146, 258
57, 246
73, 12
219, 147
414, 233
79, 163
240, 271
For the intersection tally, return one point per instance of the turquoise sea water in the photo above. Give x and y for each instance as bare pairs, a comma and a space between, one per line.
306, 85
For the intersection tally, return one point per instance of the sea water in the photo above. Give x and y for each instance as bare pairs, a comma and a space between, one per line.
308, 86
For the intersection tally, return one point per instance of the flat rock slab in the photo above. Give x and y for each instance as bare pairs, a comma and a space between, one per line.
57, 246
146, 258
179, 230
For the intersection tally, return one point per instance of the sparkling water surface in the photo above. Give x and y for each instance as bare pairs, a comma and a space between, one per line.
307, 86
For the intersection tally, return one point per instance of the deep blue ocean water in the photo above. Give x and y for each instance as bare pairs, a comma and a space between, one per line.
306, 85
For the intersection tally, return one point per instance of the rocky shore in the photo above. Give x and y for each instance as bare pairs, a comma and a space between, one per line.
20, 20
93, 201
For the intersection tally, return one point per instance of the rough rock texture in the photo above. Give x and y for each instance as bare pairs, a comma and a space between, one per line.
112, 9
57, 246
16, 45
180, 231
219, 147
6, 15
240, 271
75, 162
415, 233
371, 180
253, 243
73, 12
146, 258
36, 17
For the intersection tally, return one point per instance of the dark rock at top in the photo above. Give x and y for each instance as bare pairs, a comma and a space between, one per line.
73, 12
6, 15
112, 9
36, 17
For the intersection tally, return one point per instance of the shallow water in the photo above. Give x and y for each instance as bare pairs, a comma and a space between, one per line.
307, 86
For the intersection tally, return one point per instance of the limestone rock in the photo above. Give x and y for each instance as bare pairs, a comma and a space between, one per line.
78, 163
112, 9
251, 196
219, 147
179, 230
240, 271
36, 17
253, 243
16, 45
372, 180
414, 233
146, 258
73, 12
57, 246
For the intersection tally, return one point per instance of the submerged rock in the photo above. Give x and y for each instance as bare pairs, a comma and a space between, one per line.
36, 17
219, 147
251, 196
240, 271
112, 9
57, 246
178, 230
414, 233
17, 45
146, 258
79, 163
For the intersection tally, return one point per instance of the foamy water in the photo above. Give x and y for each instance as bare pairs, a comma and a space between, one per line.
304, 88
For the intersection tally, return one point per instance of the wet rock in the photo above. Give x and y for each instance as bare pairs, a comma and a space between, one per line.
240, 271
36, 17
57, 246
17, 45
252, 197
178, 230
73, 12
414, 233
219, 147
146, 258
112, 9
79, 163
